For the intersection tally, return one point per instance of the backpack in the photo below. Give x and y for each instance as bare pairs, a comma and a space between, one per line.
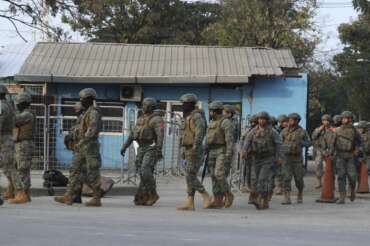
54, 178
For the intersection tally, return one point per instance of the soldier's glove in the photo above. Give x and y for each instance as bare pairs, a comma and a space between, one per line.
123, 151
159, 154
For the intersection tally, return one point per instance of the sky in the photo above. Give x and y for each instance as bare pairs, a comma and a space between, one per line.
330, 15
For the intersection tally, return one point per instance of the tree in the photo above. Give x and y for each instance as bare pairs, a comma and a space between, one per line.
362, 5
267, 23
353, 64
138, 21
31, 14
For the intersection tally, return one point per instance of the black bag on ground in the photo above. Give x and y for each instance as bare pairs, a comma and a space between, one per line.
54, 178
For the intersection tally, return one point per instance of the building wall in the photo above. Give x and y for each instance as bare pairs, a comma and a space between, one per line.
274, 95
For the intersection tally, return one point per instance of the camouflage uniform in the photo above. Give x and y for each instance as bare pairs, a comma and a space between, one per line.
149, 133
279, 169
294, 139
322, 138
220, 142
365, 137
192, 140
346, 142
264, 144
7, 123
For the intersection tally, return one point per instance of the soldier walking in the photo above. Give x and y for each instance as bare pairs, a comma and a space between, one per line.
346, 147
220, 143
7, 123
263, 143
282, 123
192, 141
23, 135
295, 138
322, 137
363, 128
87, 154
149, 134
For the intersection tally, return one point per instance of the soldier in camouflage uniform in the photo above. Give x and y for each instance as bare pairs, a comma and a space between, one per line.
346, 147
23, 135
70, 141
295, 138
249, 177
86, 153
7, 123
322, 137
337, 121
264, 144
282, 123
363, 128
192, 140
149, 134
220, 142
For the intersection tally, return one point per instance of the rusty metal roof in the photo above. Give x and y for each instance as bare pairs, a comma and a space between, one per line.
135, 63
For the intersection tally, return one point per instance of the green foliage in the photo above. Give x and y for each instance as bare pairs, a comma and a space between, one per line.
362, 5
267, 23
138, 21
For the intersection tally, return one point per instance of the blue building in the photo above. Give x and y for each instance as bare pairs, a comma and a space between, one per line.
253, 79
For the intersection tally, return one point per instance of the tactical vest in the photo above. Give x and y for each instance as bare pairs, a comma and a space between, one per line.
262, 142
24, 132
9, 121
215, 134
345, 141
292, 141
85, 122
189, 131
366, 142
143, 132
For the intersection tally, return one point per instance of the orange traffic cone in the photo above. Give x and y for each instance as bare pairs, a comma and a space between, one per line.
327, 191
363, 185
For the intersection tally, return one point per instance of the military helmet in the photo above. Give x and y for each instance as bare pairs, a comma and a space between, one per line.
23, 98
189, 98
88, 92
294, 116
229, 108
326, 117
263, 115
337, 119
216, 105
282, 118
3, 89
347, 114
149, 101
363, 124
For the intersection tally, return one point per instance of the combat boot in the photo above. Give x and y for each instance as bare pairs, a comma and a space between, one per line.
353, 194
258, 202
342, 198
153, 198
286, 200
269, 196
66, 199
263, 203
229, 199
217, 202
300, 197
319, 183
206, 199
189, 205
9, 193
20, 198
252, 198
141, 199
78, 197
28, 193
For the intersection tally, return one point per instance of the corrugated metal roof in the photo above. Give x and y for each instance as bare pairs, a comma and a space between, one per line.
12, 57
134, 63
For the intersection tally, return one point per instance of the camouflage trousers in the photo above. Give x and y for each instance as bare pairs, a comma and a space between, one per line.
23, 162
7, 151
293, 168
194, 161
146, 161
319, 163
85, 169
217, 167
264, 170
346, 168
249, 174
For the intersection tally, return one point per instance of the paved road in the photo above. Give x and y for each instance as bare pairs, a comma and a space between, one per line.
45, 223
